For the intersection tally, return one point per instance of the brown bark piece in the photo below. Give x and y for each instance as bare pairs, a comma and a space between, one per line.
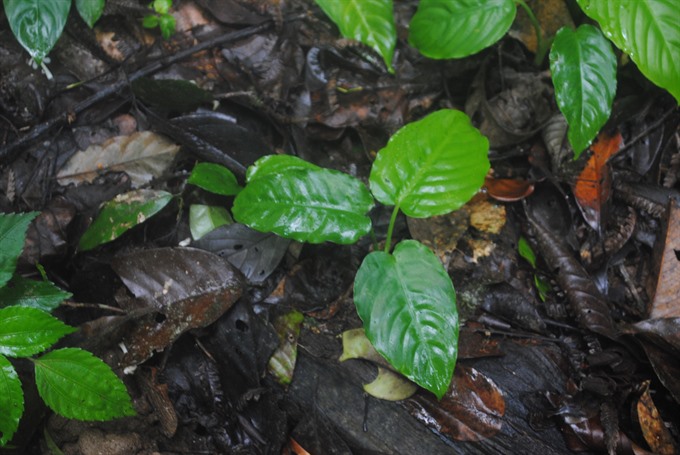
666, 302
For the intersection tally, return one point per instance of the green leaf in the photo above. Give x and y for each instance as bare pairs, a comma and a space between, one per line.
167, 25
368, 21
150, 21
13, 228
90, 10
26, 331
162, 6
42, 295
647, 31
408, 306
282, 362
206, 218
583, 68
308, 205
526, 251
432, 166
124, 212
78, 385
37, 24
11, 401
276, 164
214, 178
458, 28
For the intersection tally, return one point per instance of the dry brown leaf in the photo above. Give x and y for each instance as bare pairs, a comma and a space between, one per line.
653, 428
666, 288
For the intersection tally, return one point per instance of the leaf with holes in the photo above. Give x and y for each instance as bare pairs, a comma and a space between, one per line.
458, 28
11, 401
368, 21
90, 10
37, 24
77, 385
26, 331
583, 68
432, 166
647, 31
13, 228
408, 306
308, 205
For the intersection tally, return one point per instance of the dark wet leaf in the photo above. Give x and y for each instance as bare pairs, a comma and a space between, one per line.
174, 95
315, 284
471, 410
316, 435
183, 288
505, 302
666, 367
473, 343
256, 254
664, 331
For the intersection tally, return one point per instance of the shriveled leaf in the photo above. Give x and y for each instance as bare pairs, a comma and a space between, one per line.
122, 213
37, 24
78, 385
276, 164
593, 186
26, 331
368, 21
408, 306
647, 31
583, 68
282, 362
458, 28
90, 10
653, 426
214, 178
390, 386
42, 295
206, 218
13, 228
432, 166
308, 205
356, 345
179, 289
174, 95
256, 254
11, 401
143, 156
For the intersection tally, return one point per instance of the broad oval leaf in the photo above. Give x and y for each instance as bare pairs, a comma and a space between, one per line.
37, 24
458, 28
276, 164
90, 10
42, 295
308, 205
368, 21
432, 166
408, 306
78, 385
13, 228
647, 31
26, 331
214, 178
122, 213
206, 218
11, 401
583, 68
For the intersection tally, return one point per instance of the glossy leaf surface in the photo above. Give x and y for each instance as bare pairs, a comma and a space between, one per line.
13, 228
308, 205
42, 295
37, 24
122, 213
78, 385
647, 31
206, 218
276, 164
214, 178
458, 28
11, 401
432, 166
408, 306
90, 10
368, 21
26, 331
583, 68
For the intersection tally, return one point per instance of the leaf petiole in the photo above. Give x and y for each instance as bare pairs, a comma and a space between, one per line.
541, 47
390, 228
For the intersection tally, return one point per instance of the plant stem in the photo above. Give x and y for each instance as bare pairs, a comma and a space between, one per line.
541, 47
390, 228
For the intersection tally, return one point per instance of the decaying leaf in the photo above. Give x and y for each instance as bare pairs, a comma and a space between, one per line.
282, 362
508, 190
441, 233
653, 427
666, 287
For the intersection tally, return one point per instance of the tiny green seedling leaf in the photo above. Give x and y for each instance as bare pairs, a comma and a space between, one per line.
526, 251
90, 10
408, 305
307, 205
432, 166
207, 218
368, 21
162, 6
37, 24
214, 178
122, 213
457, 28
78, 385
13, 229
26, 331
583, 68
166, 22
276, 164
11, 401
645, 30
42, 295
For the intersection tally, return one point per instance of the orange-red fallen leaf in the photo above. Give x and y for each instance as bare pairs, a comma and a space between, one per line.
508, 190
653, 429
593, 185
296, 448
